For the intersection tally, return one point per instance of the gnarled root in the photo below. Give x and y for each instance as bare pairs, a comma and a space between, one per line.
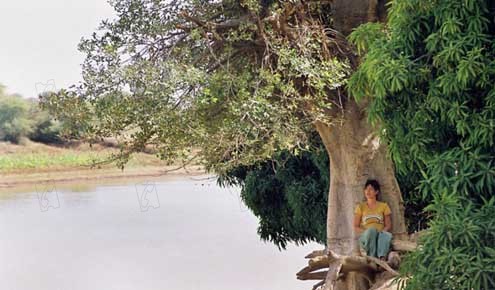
375, 271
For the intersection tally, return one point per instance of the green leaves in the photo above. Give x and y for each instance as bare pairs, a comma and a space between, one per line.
365, 35
467, 172
431, 85
457, 252
450, 27
397, 74
470, 67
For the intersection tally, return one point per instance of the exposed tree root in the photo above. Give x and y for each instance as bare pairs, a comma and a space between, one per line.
337, 266
403, 246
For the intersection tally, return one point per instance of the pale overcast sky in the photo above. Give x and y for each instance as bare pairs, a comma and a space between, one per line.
39, 41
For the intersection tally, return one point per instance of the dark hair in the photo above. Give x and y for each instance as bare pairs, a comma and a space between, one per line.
373, 183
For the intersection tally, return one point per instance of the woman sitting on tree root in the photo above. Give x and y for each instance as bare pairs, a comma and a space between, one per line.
373, 223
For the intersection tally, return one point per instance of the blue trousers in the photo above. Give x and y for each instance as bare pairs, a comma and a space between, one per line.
376, 244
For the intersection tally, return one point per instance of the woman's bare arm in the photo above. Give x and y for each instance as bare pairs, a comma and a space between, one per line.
388, 223
357, 224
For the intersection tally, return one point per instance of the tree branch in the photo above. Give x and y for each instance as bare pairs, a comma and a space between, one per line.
213, 26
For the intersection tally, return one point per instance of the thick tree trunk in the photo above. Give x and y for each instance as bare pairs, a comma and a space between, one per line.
349, 14
355, 156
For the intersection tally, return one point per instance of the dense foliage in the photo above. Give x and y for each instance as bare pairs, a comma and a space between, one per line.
431, 73
46, 129
288, 194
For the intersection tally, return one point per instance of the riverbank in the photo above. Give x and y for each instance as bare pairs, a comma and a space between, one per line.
31, 163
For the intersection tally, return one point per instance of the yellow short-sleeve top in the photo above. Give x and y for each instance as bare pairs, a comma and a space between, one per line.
373, 217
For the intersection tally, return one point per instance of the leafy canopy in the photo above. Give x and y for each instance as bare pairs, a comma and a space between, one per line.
236, 80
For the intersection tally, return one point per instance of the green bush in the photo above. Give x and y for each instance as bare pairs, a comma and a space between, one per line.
14, 120
21, 117
46, 129
457, 252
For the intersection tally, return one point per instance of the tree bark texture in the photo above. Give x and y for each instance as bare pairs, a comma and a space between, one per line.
356, 155
349, 14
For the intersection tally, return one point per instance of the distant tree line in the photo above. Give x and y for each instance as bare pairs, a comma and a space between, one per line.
23, 118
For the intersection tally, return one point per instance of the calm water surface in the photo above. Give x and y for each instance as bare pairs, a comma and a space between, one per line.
166, 234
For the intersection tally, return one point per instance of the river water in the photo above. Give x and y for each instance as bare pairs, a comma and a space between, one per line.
173, 233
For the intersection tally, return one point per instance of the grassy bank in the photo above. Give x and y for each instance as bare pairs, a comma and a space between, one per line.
35, 162
40, 157
23, 162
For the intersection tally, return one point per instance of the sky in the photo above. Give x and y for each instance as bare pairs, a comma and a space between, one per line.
39, 38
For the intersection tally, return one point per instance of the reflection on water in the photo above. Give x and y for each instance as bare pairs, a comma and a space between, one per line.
169, 233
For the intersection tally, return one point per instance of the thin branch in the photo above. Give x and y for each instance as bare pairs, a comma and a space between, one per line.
183, 166
383, 264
